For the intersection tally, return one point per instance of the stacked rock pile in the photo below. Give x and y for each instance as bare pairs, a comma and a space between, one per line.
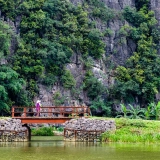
12, 130
83, 129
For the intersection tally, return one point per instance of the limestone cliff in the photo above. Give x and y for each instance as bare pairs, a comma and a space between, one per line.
117, 52
118, 48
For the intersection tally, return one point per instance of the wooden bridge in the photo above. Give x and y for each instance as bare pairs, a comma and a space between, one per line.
59, 115
49, 114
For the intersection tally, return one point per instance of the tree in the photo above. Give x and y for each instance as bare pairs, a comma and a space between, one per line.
139, 77
135, 112
10, 87
5, 39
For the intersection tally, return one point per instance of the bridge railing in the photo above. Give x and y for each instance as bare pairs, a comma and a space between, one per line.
61, 111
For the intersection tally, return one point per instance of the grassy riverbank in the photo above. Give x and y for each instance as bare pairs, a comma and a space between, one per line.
133, 130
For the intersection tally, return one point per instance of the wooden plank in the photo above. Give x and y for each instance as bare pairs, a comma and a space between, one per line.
44, 120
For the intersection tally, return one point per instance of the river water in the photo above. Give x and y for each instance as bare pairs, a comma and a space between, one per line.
54, 148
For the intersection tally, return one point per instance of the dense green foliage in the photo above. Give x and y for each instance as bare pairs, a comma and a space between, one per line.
43, 131
100, 108
5, 38
133, 112
139, 79
67, 80
100, 10
93, 86
152, 111
10, 83
10, 86
50, 32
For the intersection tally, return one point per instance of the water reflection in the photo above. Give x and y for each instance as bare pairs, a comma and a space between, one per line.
49, 143
58, 141
41, 148
14, 144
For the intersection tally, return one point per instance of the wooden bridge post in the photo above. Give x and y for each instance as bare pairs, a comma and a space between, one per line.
12, 111
61, 111
76, 112
50, 112
25, 110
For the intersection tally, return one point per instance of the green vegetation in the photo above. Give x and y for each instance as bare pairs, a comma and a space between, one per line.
58, 99
129, 130
47, 35
139, 78
93, 86
134, 112
100, 10
68, 80
45, 131
123, 111
100, 104
10, 82
5, 39
151, 112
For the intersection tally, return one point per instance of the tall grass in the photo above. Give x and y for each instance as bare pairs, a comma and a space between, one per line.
133, 130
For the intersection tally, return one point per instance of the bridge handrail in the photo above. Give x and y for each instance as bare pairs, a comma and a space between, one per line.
61, 110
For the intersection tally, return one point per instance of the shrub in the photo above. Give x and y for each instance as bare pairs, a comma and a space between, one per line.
43, 131
68, 80
93, 86
99, 105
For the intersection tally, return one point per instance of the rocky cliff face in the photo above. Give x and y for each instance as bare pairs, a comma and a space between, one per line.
155, 6
118, 49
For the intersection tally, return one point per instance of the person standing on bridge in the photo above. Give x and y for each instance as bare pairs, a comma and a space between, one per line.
38, 107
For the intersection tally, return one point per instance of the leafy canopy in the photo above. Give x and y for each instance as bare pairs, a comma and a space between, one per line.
139, 77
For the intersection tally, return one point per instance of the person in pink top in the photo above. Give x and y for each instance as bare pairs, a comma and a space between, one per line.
38, 107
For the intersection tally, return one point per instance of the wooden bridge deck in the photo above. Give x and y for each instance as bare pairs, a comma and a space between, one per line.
49, 114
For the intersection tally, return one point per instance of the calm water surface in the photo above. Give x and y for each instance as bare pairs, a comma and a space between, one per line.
54, 148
